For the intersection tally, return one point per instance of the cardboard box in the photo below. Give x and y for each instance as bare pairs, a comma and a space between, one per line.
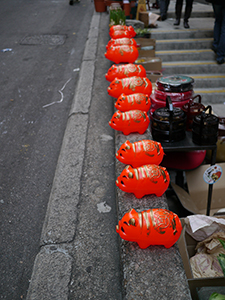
187, 246
153, 75
196, 200
144, 17
145, 42
148, 18
146, 47
150, 63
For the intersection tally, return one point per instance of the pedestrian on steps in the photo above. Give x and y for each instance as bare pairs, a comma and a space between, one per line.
163, 6
219, 30
187, 13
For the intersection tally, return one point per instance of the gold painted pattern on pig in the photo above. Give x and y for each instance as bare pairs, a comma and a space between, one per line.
136, 174
146, 83
130, 99
160, 223
140, 219
125, 48
125, 82
135, 81
145, 214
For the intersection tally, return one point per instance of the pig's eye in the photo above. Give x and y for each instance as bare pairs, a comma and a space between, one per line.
128, 147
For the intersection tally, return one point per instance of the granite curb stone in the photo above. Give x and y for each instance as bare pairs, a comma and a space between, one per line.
52, 268
145, 274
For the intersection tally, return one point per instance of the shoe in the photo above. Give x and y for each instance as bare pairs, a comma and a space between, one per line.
186, 25
177, 22
163, 17
71, 2
220, 61
214, 49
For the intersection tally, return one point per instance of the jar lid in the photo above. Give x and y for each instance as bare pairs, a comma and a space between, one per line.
193, 107
175, 83
208, 119
164, 113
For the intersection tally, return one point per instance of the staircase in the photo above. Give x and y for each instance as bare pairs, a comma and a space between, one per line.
188, 51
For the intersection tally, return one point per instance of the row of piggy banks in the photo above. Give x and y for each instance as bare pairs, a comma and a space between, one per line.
143, 174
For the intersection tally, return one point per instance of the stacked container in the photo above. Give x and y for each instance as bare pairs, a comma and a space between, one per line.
178, 87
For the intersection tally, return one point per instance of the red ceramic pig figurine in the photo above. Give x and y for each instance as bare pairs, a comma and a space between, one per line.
150, 227
130, 85
120, 42
130, 121
135, 101
144, 180
115, 29
127, 70
122, 54
140, 153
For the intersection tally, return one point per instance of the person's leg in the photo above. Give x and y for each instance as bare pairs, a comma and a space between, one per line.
178, 11
167, 4
219, 32
163, 9
187, 14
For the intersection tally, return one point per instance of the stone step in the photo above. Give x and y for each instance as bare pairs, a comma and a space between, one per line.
183, 55
194, 14
192, 67
211, 95
203, 81
183, 44
182, 33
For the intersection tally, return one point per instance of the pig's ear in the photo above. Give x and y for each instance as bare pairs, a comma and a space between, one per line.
132, 210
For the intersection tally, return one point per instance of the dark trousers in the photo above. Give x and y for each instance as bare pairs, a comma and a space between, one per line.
219, 30
164, 4
188, 9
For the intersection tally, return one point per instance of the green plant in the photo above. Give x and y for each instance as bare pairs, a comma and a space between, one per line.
142, 32
221, 259
117, 17
216, 296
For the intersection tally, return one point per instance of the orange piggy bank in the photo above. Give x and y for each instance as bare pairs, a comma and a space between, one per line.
122, 41
135, 101
122, 71
140, 153
122, 54
130, 121
150, 227
130, 85
144, 180
113, 31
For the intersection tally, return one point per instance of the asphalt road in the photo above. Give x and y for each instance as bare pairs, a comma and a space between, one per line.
45, 41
